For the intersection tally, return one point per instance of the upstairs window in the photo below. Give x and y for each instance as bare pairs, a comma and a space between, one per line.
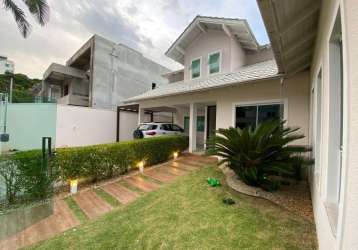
195, 68
214, 62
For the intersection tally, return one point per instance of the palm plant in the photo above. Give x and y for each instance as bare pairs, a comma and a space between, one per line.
38, 8
256, 153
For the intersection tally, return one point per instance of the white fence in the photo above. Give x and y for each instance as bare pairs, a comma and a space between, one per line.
69, 126
81, 126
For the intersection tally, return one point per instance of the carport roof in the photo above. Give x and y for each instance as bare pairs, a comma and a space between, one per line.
254, 72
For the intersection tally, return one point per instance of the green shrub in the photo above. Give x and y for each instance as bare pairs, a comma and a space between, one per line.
26, 178
256, 154
35, 178
107, 160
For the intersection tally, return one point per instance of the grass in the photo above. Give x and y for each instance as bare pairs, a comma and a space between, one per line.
82, 217
189, 214
107, 197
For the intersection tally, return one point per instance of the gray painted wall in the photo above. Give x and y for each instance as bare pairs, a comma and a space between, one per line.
120, 72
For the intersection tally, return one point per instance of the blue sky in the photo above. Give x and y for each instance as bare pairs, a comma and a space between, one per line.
149, 26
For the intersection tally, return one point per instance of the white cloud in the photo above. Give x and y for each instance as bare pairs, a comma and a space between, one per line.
149, 26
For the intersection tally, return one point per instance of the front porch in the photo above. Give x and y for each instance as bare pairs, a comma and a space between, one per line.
198, 129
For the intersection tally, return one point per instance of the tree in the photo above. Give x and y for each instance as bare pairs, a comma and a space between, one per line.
38, 8
24, 88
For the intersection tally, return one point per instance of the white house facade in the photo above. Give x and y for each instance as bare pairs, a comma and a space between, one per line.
307, 76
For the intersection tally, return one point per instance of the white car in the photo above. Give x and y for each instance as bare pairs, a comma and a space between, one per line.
152, 129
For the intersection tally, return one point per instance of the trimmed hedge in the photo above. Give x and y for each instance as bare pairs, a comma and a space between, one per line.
25, 178
108, 160
28, 181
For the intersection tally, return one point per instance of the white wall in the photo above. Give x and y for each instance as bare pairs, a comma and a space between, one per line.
347, 207
127, 124
214, 41
295, 94
80, 126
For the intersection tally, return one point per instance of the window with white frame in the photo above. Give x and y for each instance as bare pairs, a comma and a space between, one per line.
252, 115
195, 68
214, 62
336, 115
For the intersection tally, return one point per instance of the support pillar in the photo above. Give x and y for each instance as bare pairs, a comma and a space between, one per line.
192, 127
140, 115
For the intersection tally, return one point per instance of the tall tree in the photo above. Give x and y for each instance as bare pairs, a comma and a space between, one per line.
38, 8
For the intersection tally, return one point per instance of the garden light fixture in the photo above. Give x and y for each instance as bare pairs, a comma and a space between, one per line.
141, 166
73, 185
175, 155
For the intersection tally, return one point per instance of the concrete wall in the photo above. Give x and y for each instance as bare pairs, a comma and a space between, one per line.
79, 87
120, 72
347, 223
80, 126
294, 94
27, 123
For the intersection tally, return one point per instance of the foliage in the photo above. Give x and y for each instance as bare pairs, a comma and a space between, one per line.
105, 161
11, 177
38, 8
26, 178
23, 88
256, 154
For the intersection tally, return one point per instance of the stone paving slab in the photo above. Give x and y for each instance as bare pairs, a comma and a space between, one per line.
171, 170
120, 193
190, 163
183, 166
61, 220
201, 159
142, 184
91, 204
160, 176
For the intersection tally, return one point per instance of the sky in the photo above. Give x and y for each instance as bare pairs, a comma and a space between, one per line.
149, 26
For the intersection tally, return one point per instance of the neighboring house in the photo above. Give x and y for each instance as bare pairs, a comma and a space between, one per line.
101, 74
6, 65
312, 83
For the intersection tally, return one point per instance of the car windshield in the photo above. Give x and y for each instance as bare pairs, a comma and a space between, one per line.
145, 127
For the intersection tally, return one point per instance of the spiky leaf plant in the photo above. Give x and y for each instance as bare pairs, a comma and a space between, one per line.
257, 153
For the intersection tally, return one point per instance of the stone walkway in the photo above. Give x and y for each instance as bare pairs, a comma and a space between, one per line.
125, 189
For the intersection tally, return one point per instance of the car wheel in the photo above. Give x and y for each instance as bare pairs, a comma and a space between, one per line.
138, 134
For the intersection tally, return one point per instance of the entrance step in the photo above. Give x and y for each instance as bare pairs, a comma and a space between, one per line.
122, 194
91, 204
142, 184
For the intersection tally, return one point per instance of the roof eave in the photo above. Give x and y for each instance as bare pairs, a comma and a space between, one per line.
135, 100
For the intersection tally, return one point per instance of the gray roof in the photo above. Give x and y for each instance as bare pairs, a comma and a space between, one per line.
254, 72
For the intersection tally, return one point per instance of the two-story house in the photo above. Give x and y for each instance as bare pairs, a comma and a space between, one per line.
101, 74
228, 79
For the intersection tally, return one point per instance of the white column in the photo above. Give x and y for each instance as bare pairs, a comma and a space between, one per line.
192, 127
140, 115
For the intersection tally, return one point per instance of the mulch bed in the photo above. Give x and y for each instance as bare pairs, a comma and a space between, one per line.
295, 197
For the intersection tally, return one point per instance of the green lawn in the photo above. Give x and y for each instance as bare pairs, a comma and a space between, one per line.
189, 214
